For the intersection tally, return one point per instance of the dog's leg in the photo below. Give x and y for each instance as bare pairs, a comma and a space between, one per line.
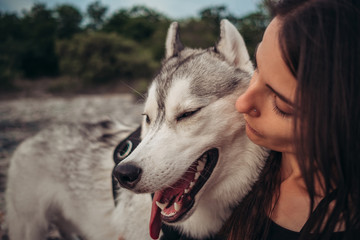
23, 228
25, 205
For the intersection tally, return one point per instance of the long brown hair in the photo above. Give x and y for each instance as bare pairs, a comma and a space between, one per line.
250, 218
320, 41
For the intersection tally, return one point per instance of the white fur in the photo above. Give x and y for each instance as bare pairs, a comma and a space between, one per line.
50, 186
232, 45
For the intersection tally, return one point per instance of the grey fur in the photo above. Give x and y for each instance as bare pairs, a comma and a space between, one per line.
56, 167
198, 65
202, 68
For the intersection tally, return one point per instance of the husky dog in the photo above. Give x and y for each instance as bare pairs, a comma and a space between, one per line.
194, 156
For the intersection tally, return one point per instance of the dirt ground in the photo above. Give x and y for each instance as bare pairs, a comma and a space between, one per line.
23, 117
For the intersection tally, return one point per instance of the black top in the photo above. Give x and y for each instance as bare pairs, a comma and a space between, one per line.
276, 232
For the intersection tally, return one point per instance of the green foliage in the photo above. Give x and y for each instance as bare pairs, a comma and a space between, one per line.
10, 48
138, 23
96, 12
117, 22
27, 43
141, 24
213, 15
100, 57
252, 27
39, 58
129, 44
68, 20
197, 34
156, 43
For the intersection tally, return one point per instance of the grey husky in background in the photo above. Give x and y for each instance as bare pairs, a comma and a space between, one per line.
194, 156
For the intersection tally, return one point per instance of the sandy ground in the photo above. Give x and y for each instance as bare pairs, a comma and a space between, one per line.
22, 118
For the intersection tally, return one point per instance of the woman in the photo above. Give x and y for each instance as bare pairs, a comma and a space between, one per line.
303, 103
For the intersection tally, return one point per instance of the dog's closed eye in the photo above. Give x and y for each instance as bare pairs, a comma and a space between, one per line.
187, 114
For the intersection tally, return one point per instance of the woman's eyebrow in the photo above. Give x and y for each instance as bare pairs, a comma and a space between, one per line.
282, 97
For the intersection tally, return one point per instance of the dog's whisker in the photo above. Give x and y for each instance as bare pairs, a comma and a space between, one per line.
136, 91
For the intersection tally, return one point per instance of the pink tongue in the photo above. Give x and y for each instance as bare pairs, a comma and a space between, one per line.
166, 194
155, 219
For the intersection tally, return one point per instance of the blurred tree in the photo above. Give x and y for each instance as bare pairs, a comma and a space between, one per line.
157, 41
138, 23
96, 12
197, 33
129, 40
68, 20
117, 22
99, 57
10, 27
145, 12
39, 21
39, 57
142, 24
252, 27
213, 15
10, 48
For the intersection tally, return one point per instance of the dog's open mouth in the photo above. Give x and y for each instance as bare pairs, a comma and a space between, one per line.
171, 204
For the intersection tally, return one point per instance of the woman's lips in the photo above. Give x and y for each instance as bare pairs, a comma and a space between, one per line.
252, 130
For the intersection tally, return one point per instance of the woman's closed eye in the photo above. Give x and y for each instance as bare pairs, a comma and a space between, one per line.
281, 108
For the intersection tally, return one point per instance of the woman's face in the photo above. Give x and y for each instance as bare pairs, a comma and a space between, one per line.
268, 102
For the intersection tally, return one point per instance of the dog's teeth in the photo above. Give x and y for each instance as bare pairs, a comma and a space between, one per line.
177, 206
191, 185
186, 191
168, 214
197, 175
162, 206
200, 166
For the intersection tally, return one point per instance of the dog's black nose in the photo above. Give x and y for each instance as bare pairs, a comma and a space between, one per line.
128, 175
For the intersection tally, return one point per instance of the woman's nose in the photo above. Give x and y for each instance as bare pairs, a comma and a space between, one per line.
246, 103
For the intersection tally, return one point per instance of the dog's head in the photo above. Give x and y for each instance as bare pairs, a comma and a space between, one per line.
194, 154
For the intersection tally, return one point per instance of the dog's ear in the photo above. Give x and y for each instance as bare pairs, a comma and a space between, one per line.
173, 44
232, 46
